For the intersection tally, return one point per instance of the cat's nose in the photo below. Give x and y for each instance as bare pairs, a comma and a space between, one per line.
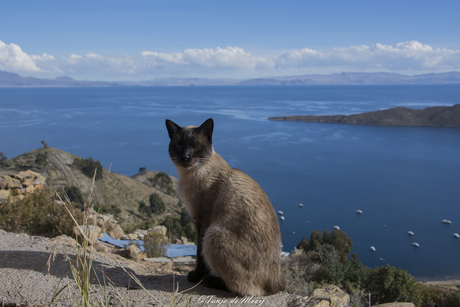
187, 155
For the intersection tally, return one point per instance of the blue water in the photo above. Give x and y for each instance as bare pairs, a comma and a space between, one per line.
406, 178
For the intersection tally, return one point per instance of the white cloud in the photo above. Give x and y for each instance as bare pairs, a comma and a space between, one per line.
12, 58
409, 57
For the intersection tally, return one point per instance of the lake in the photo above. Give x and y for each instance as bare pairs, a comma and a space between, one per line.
402, 178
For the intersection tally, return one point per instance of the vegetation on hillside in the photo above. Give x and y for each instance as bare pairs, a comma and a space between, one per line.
37, 214
325, 259
87, 166
163, 182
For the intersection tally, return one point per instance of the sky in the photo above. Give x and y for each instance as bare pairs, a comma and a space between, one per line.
139, 40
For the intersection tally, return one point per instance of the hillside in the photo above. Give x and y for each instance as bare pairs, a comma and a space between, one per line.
430, 117
120, 195
352, 78
8, 79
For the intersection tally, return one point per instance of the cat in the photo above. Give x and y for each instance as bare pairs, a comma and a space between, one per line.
239, 240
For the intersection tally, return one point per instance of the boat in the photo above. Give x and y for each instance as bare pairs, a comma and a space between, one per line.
446, 222
282, 218
300, 205
280, 212
359, 211
415, 244
456, 235
373, 249
336, 227
410, 233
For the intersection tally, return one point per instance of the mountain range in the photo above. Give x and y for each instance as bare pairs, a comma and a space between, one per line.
441, 116
8, 79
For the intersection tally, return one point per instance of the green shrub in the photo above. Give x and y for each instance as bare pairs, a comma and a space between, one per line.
37, 214
157, 204
154, 244
349, 274
87, 167
75, 195
389, 284
163, 182
435, 296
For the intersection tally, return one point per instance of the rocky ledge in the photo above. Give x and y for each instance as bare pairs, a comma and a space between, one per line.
431, 117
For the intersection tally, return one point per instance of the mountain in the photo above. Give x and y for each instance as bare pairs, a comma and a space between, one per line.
14, 80
431, 117
351, 78
121, 194
347, 78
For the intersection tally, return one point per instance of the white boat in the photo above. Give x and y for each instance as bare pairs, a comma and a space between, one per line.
415, 244
282, 218
336, 227
373, 249
280, 212
446, 222
300, 205
410, 233
456, 235
359, 211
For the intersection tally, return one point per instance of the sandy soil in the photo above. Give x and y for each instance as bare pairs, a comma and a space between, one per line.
27, 279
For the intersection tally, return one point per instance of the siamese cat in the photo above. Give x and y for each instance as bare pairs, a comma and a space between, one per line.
239, 240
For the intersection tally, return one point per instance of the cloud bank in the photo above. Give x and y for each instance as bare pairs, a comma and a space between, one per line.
409, 57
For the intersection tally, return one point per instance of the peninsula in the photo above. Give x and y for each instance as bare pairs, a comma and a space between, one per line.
442, 116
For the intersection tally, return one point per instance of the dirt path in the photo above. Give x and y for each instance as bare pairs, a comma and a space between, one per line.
25, 278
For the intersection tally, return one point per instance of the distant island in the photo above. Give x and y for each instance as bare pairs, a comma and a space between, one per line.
8, 79
431, 117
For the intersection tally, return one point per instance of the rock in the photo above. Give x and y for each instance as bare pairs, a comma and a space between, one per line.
3, 183
39, 181
334, 294
39, 187
177, 241
133, 251
395, 305
27, 182
184, 240
116, 232
92, 233
329, 296
132, 236
159, 229
4, 194
63, 239
30, 189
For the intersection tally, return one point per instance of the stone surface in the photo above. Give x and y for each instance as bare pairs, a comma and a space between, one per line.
329, 296
395, 305
159, 229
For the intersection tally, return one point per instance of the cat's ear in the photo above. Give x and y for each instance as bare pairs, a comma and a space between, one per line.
206, 128
173, 128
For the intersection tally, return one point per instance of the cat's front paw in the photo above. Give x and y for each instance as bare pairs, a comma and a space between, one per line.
193, 277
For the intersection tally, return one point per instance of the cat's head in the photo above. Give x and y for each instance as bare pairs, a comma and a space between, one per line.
190, 146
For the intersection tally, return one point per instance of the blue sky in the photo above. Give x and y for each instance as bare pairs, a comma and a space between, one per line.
140, 40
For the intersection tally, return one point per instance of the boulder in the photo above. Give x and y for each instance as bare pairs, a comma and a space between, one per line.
92, 233
30, 189
134, 251
3, 183
27, 182
329, 296
184, 240
395, 305
334, 294
116, 232
159, 229
4, 194
132, 236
